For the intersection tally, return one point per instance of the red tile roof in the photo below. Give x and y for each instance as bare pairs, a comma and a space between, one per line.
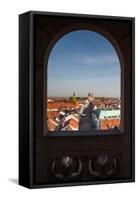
53, 105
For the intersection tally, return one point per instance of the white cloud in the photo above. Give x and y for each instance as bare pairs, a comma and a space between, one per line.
98, 60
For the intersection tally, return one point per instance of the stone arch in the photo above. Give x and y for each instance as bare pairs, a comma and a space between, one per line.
90, 27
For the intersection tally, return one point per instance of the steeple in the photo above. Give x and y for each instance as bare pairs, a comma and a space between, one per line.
90, 97
73, 98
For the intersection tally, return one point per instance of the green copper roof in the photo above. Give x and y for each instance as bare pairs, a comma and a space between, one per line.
109, 114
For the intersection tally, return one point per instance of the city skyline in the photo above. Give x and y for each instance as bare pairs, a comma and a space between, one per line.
82, 62
85, 96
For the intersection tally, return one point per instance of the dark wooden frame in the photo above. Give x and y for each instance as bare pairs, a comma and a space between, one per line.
34, 148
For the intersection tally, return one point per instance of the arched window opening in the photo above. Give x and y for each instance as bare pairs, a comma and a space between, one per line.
83, 84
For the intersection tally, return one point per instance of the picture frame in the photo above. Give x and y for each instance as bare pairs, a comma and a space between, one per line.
80, 158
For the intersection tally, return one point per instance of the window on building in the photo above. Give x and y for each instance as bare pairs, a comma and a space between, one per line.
84, 83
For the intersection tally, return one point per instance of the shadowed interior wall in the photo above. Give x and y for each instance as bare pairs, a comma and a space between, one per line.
47, 30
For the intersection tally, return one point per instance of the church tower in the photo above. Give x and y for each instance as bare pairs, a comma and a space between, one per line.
73, 98
91, 97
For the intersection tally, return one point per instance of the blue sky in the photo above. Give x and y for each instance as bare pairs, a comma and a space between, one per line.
83, 62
